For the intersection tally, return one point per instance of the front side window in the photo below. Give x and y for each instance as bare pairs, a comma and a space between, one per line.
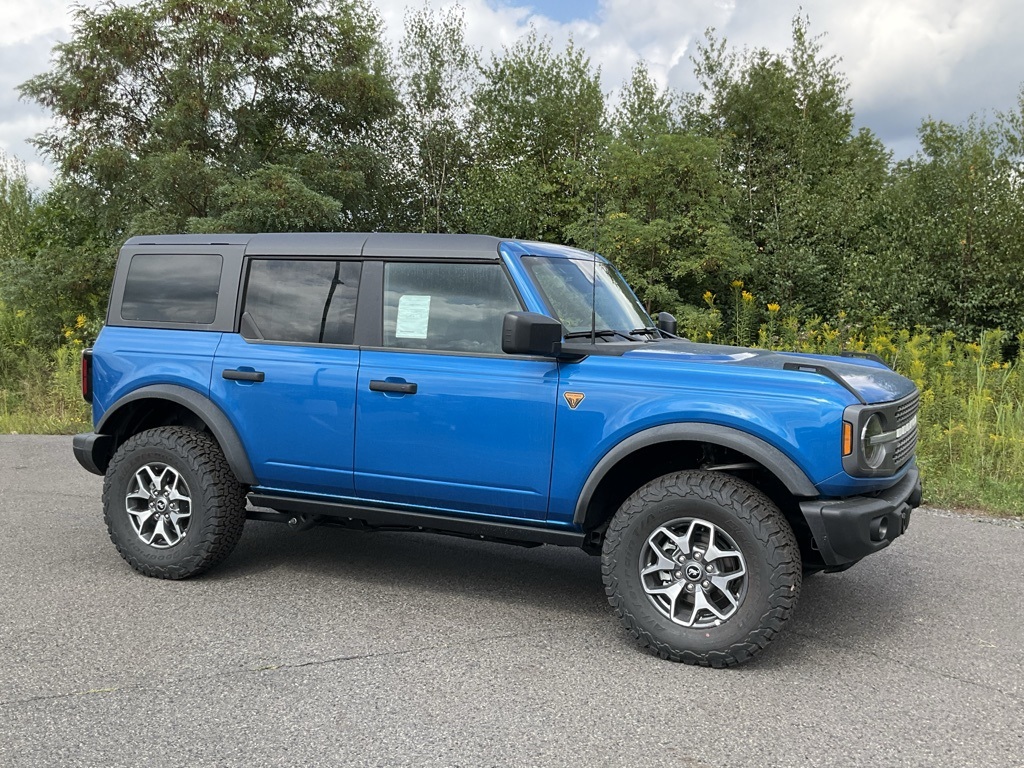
569, 288
446, 307
305, 301
172, 288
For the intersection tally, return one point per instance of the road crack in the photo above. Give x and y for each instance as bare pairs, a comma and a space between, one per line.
284, 666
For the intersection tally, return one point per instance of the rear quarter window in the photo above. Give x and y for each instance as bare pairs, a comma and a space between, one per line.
165, 288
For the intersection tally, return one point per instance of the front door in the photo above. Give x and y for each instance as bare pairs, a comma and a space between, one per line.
444, 419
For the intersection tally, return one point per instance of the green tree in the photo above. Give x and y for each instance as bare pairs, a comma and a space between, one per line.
16, 204
808, 184
214, 114
536, 118
665, 218
64, 266
955, 217
439, 72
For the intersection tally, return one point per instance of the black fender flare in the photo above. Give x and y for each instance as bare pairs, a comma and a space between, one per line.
214, 418
766, 454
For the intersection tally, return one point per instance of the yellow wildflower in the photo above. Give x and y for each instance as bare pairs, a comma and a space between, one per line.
773, 307
747, 296
80, 321
737, 283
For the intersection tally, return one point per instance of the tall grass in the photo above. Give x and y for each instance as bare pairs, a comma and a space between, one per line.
40, 392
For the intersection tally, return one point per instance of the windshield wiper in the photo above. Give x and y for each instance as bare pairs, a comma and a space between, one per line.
648, 331
602, 333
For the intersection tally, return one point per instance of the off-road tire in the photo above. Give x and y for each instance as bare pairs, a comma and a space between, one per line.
217, 502
759, 531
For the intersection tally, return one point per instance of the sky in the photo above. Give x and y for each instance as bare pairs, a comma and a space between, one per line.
905, 60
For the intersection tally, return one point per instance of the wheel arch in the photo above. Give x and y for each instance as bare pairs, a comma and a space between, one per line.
164, 404
628, 465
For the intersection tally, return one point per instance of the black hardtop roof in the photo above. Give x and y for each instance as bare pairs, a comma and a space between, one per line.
341, 244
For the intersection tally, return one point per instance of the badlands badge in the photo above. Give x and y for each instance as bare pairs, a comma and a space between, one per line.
573, 398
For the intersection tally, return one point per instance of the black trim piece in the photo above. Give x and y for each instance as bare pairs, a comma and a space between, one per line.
380, 516
219, 424
847, 530
865, 356
240, 375
93, 451
86, 374
767, 455
405, 387
828, 373
369, 330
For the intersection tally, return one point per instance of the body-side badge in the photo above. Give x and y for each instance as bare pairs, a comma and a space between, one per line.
573, 398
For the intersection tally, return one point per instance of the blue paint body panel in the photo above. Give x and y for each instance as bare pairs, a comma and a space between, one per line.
297, 424
475, 437
127, 359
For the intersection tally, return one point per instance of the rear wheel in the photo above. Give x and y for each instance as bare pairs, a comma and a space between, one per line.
702, 568
172, 505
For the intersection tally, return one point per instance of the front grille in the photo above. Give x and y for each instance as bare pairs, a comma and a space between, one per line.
905, 412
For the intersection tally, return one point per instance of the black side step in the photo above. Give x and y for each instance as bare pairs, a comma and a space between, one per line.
399, 518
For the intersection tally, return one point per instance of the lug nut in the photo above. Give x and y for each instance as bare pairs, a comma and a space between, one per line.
705, 584
696, 555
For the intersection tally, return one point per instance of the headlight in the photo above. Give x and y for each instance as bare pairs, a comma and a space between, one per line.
872, 451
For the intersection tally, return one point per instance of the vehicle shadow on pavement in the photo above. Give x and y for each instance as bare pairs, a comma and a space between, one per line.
558, 579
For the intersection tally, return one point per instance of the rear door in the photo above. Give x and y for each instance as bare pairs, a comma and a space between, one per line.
288, 380
444, 419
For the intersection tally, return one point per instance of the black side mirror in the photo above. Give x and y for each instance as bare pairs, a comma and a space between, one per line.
667, 323
530, 333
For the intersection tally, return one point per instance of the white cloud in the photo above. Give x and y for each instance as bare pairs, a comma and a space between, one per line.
21, 21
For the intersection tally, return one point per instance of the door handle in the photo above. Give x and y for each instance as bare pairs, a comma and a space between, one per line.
405, 387
236, 375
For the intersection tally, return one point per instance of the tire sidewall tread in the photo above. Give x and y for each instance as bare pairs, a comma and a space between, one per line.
759, 529
218, 502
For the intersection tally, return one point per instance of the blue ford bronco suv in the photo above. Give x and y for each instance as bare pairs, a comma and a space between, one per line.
495, 389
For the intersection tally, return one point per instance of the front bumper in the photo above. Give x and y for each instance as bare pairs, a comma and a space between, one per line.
847, 530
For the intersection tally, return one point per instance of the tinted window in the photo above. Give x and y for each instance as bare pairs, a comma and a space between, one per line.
450, 307
307, 301
166, 288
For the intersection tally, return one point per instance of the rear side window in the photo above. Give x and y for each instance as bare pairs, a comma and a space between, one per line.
304, 301
167, 288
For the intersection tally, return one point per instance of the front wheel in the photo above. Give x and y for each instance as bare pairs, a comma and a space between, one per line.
173, 506
701, 568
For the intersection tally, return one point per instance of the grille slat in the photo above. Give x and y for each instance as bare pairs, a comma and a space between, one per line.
903, 414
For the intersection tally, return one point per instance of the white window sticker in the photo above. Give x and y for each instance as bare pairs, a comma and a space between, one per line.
413, 317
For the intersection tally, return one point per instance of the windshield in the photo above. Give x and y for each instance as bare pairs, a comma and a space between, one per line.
568, 287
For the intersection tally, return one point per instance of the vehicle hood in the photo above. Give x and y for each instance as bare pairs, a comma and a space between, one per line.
870, 380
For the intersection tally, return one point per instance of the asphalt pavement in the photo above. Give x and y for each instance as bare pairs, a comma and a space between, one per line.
331, 647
